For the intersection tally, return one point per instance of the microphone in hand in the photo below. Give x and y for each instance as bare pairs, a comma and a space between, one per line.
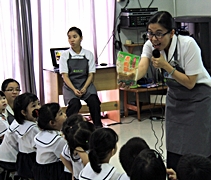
156, 53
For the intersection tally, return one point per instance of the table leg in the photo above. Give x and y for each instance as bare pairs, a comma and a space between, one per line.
138, 106
125, 104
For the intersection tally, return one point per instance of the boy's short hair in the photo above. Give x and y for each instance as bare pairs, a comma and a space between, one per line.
129, 151
148, 165
194, 167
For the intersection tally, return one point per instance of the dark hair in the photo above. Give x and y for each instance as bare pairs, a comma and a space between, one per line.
77, 30
148, 165
2, 93
78, 135
6, 82
102, 142
194, 167
163, 18
129, 151
20, 103
46, 114
72, 120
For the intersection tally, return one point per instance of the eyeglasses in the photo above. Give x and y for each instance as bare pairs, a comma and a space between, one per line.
158, 35
13, 90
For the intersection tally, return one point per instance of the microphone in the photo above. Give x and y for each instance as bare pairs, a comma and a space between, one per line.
156, 53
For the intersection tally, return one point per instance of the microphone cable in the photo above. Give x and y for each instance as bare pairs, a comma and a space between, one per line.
158, 148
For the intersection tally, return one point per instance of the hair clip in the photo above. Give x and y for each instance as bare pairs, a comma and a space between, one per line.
156, 154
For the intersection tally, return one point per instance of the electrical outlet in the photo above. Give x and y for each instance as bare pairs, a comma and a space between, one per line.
142, 35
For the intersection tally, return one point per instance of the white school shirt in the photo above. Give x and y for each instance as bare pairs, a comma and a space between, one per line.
66, 157
124, 176
49, 144
108, 172
77, 165
189, 57
63, 68
26, 133
9, 146
3, 126
8, 109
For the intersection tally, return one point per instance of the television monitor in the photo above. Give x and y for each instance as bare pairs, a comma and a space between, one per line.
55, 55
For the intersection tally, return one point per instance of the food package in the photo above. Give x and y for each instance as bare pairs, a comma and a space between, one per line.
127, 67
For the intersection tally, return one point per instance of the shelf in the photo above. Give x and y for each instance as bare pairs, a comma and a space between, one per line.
130, 47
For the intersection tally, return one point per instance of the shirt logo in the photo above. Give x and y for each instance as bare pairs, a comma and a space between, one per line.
77, 70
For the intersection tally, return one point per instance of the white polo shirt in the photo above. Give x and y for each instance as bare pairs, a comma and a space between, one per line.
63, 68
189, 57
9, 146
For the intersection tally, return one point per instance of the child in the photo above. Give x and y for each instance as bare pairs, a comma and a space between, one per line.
49, 142
128, 153
77, 137
194, 167
148, 165
65, 155
9, 148
3, 122
102, 147
24, 105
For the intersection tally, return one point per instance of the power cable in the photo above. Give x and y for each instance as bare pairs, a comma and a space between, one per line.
150, 3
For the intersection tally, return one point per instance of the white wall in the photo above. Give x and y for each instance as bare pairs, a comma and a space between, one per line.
193, 7
135, 35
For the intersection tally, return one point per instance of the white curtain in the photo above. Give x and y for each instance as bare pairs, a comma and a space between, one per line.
94, 17
9, 58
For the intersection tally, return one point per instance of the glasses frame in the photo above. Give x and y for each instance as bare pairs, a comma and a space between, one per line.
13, 90
154, 34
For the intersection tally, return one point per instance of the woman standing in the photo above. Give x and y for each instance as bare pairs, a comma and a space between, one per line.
188, 110
77, 67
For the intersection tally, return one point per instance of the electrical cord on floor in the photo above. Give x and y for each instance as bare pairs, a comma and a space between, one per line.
130, 121
156, 118
124, 122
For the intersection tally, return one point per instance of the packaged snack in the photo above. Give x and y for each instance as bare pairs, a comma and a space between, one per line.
127, 67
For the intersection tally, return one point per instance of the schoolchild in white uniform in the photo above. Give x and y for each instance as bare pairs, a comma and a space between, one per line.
11, 89
24, 105
102, 147
128, 153
49, 142
148, 164
9, 148
65, 155
3, 122
76, 152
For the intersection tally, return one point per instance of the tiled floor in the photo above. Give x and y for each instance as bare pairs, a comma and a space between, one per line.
151, 131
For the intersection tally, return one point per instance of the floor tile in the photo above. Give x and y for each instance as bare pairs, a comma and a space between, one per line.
152, 131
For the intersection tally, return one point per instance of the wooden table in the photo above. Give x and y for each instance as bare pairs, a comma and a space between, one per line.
136, 107
105, 81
